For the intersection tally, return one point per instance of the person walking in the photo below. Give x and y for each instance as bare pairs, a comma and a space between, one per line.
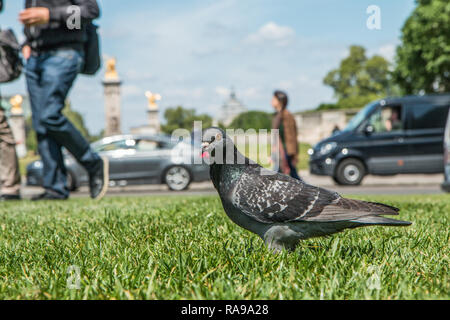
283, 120
54, 52
9, 165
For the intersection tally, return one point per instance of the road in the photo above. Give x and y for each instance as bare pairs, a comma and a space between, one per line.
397, 185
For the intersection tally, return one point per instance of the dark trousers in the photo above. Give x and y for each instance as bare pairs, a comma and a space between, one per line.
50, 76
294, 173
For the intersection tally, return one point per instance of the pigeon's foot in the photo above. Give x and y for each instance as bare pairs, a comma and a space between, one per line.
279, 238
277, 247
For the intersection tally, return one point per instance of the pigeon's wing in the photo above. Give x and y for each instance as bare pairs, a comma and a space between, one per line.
272, 198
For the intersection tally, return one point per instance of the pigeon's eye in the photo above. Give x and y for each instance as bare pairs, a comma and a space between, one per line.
218, 137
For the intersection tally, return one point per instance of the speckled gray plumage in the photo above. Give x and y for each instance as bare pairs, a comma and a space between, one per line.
282, 210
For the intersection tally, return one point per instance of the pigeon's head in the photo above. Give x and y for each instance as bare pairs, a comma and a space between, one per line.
214, 139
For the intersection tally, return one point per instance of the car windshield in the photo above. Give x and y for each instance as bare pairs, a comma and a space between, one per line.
360, 117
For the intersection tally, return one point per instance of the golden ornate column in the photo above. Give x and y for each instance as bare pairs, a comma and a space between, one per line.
111, 85
153, 112
17, 124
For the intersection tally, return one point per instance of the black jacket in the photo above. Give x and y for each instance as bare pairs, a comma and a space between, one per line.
56, 33
1, 5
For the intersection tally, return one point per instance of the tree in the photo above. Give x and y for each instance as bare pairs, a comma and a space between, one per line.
31, 139
327, 106
180, 118
423, 58
252, 120
359, 80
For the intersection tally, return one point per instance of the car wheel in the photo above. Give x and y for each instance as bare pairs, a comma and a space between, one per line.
335, 179
177, 178
350, 172
71, 182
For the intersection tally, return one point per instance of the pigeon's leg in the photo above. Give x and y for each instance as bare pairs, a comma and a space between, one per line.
279, 238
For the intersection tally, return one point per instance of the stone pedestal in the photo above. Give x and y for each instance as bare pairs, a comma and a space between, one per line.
17, 124
153, 121
112, 107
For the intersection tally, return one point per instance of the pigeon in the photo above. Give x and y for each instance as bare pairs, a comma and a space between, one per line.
281, 210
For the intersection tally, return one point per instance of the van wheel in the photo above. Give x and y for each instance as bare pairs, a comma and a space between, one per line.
350, 172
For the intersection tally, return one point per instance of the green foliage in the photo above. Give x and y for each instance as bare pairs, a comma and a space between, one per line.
31, 139
354, 102
327, 106
252, 120
180, 118
187, 248
359, 80
423, 58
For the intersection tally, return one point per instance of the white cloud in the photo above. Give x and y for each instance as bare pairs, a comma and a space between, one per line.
388, 51
252, 93
272, 33
131, 90
285, 85
222, 91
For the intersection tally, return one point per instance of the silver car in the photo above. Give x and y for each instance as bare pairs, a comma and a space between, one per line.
137, 160
446, 184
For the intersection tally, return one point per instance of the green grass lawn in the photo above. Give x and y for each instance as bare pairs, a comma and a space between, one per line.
186, 248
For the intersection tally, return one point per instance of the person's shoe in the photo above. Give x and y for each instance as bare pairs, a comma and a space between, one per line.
99, 181
10, 197
48, 196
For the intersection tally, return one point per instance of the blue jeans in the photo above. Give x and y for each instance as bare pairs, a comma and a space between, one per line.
50, 76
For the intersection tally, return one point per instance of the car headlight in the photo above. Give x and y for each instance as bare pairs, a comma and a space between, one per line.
328, 148
38, 164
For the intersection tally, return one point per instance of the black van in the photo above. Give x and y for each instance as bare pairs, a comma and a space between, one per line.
388, 137
446, 184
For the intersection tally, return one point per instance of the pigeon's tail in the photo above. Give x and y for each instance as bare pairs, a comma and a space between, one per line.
381, 221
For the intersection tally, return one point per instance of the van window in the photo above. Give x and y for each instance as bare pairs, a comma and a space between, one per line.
387, 119
356, 121
428, 117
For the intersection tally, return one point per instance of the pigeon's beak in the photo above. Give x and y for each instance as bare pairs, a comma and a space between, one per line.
205, 151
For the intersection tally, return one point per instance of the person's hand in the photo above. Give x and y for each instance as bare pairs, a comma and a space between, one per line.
34, 16
26, 52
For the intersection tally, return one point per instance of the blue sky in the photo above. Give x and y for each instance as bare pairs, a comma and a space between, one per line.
193, 51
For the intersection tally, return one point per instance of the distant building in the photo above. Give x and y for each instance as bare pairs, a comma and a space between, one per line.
314, 126
230, 110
